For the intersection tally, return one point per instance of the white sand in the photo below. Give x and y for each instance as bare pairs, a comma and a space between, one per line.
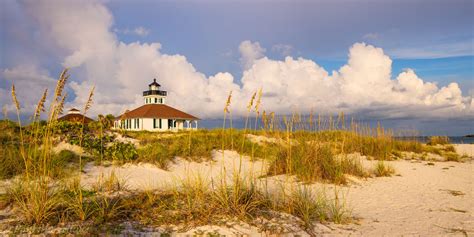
120, 138
148, 176
465, 149
67, 146
417, 202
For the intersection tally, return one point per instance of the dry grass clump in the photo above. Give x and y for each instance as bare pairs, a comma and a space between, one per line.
452, 156
196, 203
383, 169
307, 205
110, 183
316, 163
438, 140
37, 202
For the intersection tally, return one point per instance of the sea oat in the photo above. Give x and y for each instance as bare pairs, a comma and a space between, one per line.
249, 106
15, 100
60, 84
227, 104
264, 119
88, 104
257, 105
61, 105
40, 105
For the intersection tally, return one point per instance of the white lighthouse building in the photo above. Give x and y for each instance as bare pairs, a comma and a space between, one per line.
155, 115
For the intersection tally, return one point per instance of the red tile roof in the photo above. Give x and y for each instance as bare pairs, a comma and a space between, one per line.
75, 118
156, 111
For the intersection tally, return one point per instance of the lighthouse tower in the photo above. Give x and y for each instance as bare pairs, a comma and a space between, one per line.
154, 95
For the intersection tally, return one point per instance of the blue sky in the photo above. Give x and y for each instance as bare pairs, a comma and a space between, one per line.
200, 50
318, 30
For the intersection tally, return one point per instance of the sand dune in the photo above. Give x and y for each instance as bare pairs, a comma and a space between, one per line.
147, 176
424, 198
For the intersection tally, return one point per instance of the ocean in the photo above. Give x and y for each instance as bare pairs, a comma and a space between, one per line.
452, 139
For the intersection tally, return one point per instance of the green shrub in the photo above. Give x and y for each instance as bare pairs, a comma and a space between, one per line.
120, 151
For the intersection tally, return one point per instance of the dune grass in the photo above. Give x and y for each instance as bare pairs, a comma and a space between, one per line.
47, 188
381, 168
438, 140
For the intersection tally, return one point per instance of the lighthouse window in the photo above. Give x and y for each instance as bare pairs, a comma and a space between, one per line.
156, 100
161, 100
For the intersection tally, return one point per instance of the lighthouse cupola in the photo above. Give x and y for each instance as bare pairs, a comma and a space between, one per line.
154, 95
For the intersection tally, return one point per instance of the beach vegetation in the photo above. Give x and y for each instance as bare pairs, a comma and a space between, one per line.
46, 185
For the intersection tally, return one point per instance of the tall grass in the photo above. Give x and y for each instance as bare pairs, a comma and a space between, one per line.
37, 202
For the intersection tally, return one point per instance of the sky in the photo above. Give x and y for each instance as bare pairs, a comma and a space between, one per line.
406, 63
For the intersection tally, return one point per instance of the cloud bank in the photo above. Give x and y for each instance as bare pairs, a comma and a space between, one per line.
83, 34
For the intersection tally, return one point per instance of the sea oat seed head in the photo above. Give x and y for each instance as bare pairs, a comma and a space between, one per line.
227, 104
15, 100
249, 106
257, 105
61, 105
89, 101
40, 105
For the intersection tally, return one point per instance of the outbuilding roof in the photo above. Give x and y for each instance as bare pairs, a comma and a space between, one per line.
75, 118
156, 111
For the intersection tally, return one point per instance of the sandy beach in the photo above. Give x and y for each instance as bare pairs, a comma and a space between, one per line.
422, 198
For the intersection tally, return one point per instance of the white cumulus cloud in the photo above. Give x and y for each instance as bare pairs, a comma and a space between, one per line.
121, 71
139, 31
250, 51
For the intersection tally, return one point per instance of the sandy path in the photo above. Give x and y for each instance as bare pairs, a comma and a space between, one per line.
418, 202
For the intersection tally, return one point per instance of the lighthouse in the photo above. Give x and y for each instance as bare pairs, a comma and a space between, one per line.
155, 115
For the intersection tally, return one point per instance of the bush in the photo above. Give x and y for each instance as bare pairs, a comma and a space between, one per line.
120, 151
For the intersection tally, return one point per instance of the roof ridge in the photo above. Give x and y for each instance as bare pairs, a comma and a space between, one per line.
157, 111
